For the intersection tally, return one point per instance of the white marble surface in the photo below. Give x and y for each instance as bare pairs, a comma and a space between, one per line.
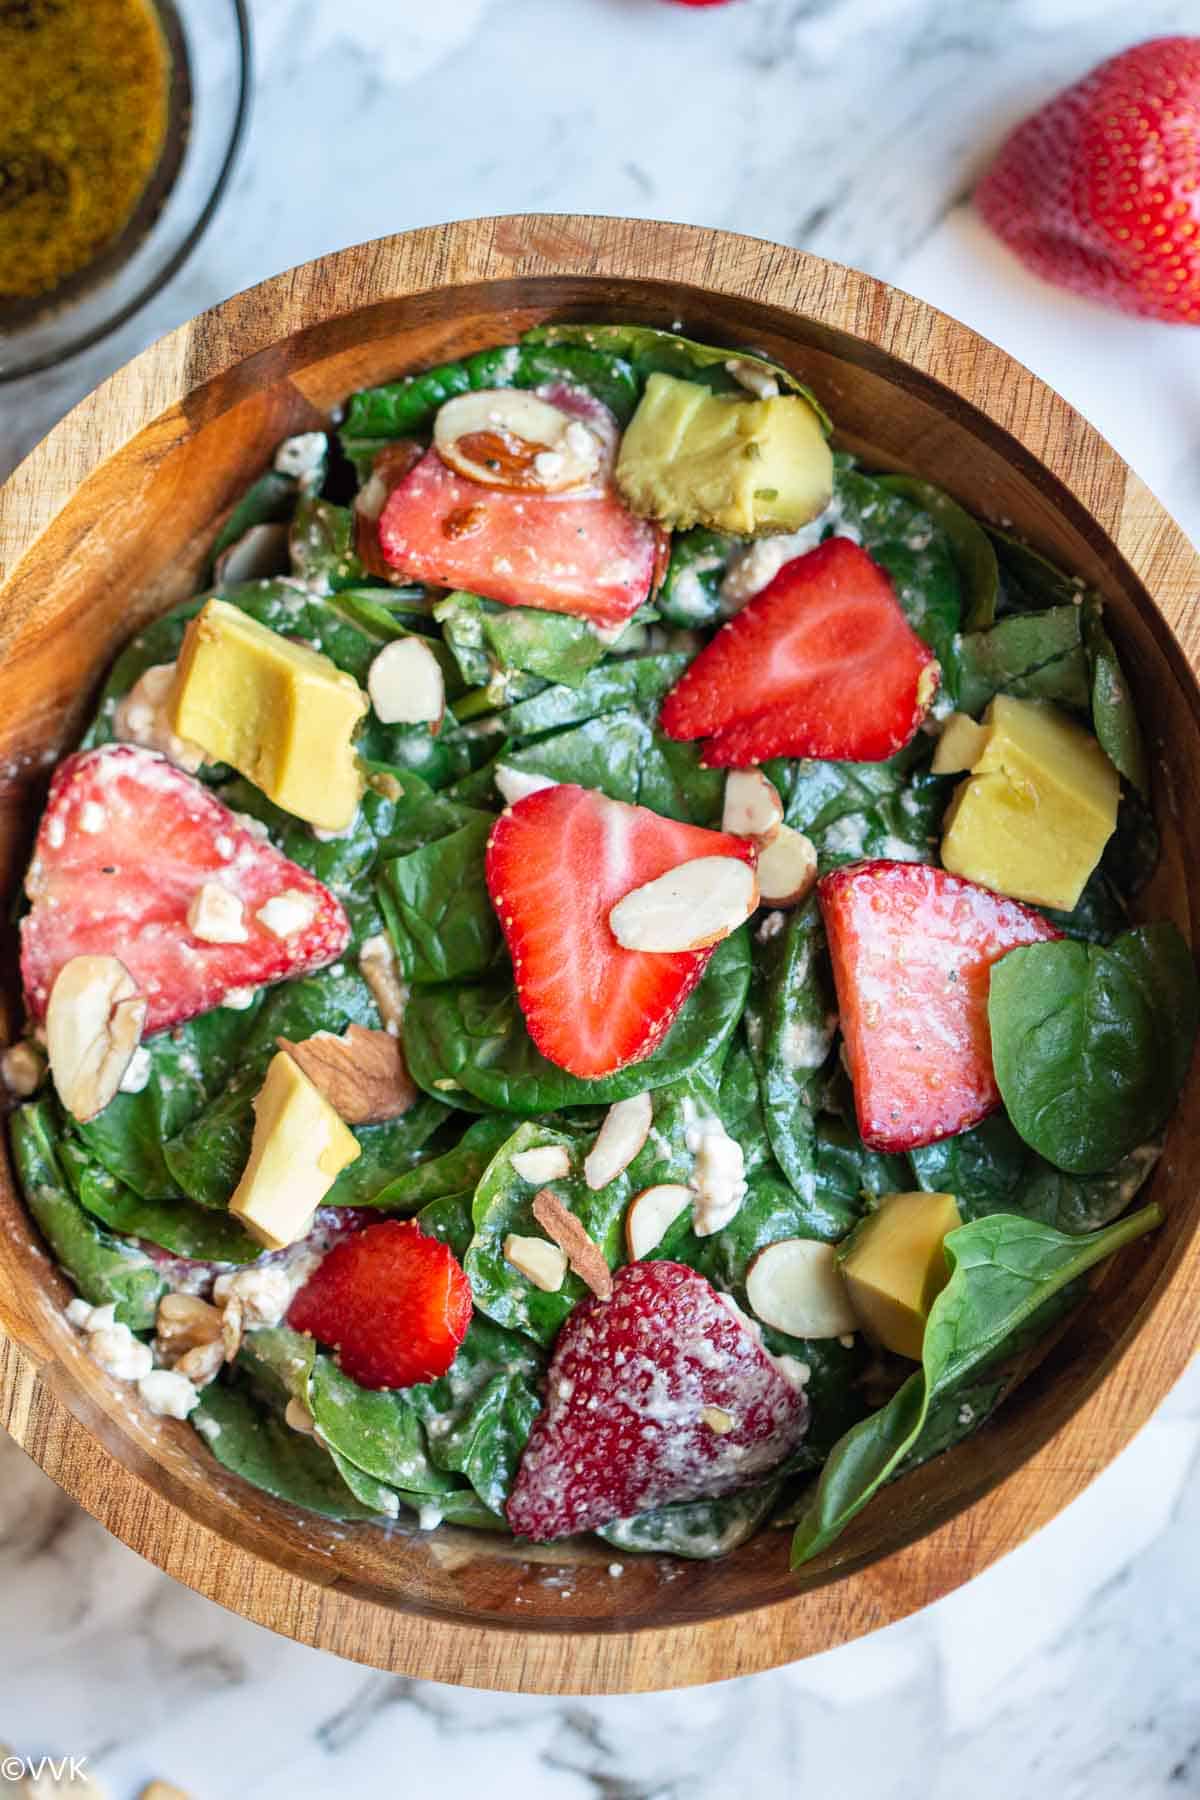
852, 127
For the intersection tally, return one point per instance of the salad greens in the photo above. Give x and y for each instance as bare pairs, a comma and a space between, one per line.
1091, 1034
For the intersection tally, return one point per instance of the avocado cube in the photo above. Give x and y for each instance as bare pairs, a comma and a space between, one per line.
299, 1148
283, 715
894, 1266
960, 745
1037, 809
691, 457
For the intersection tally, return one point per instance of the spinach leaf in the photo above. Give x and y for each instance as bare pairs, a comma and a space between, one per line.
698, 1529
974, 552
503, 1204
1035, 656
989, 1169
634, 685
378, 1432
1091, 1044
187, 1065
407, 407
691, 591
1131, 853
482, 634
852, 810
791, 1020
102, 1267
418, 812
176, 1225
207, 1157
1113, 714
1002, 1269
322, 546
475, 1036
254, 1443
440, 915
453, 1172
1098, 914
650, 351
916, 553
449, 1218
622, 756
1037, 581
478, 1415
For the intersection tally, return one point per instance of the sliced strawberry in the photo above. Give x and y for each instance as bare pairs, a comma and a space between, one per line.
822, 663
662, 1393
911, 948
557, 863
392, 1302
575, 552
125, 844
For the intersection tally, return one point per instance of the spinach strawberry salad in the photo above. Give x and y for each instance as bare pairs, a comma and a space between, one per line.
587, 982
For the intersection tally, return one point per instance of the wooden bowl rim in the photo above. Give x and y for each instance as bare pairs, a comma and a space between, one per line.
335, 1617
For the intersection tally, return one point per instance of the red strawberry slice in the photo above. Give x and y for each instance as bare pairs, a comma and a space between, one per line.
821, 663
1097, 191
125, 844
392, 1302
575, 552
557, 863
662, 1393
911, 948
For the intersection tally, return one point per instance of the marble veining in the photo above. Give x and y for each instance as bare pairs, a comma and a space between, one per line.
853, 128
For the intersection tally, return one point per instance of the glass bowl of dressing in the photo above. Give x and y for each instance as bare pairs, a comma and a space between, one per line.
120, 122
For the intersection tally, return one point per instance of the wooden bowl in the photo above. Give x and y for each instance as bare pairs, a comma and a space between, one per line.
109, 522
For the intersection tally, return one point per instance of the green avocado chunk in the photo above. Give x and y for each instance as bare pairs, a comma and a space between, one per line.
692, 457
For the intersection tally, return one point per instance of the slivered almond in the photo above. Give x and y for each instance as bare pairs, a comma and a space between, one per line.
753, 808
93, 1026
796, 1286
625, 1129
538, 1260
406, 684
545, 1162
513, 784
259, 553
362, 1074
509, 438
585, 1257
651, 1215
688, 908
787, 869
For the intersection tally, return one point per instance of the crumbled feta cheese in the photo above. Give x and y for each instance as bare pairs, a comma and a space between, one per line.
301, 456
169, 1394
753, 377
119, 1353
143, 717
264, 1294
429, 1516
216, 915
238, 999
718, 1176
21, 1069
91, 817
285, 914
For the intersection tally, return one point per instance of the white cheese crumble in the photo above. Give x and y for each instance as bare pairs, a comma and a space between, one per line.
718, 1175
168, 1394
285, 914
137, 1073
216, 915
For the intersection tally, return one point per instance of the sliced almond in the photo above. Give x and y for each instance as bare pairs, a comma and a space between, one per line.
259, 553
752, 808
688, 908
651, 1215
514, 784
787, 869
362, 1074
507, 437
406, 684
538, 1260
624, 1131
545, 1162
93, 1026
379, 969
797, 1287
585, 1257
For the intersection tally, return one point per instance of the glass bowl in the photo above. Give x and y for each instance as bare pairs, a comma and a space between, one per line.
209, 42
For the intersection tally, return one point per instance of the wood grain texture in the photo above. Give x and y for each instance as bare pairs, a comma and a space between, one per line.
109, 521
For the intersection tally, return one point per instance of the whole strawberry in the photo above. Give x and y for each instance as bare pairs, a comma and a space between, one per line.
1100, 190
